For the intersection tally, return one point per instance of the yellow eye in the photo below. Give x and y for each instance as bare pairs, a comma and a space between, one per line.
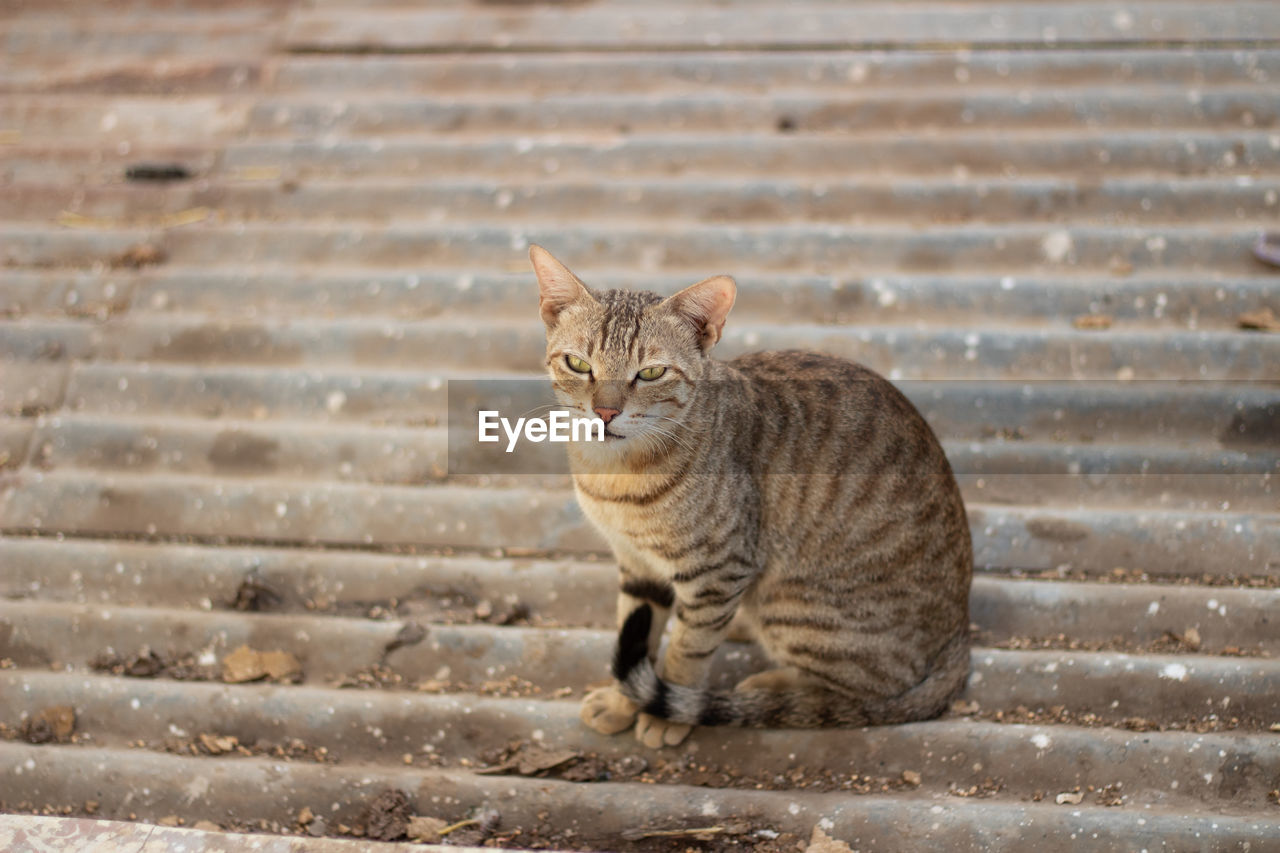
651, 373
576, 364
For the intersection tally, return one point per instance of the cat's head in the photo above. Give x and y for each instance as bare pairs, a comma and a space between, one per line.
629, 357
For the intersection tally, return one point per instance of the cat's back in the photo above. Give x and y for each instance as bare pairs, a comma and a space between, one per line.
844, 460
827, 409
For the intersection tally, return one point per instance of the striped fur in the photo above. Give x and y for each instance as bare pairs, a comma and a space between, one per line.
796, 495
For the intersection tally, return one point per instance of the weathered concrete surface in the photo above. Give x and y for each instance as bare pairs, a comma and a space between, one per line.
32, 834
247, 246
600, 812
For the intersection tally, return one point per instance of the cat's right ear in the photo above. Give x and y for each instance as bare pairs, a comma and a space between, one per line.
706, 305
558, 288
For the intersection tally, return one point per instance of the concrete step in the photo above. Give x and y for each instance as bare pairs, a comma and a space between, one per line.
939, 188
1235, 416
949, 755
730, 72
1111, 686
596, 814
840, 201
800, 26
958, 152
1021, 472
1013, 249
899, 352
250, 293
934, 110
124, 835
574, 592
919, 110
212, 509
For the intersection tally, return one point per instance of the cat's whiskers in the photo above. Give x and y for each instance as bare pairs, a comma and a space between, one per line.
545, 407
658, 429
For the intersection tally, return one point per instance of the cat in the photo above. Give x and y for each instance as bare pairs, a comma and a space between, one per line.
797, 496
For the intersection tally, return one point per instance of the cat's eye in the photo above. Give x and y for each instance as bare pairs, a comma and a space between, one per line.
651, 373
576, 364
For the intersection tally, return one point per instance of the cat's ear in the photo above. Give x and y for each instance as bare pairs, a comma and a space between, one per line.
706, 305
558, 288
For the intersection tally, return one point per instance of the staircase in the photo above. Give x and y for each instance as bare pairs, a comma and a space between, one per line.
246, 246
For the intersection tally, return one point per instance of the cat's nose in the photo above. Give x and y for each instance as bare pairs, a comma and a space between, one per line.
606, 415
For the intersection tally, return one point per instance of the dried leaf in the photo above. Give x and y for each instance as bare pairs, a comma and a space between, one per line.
1069, 798
531, 760
255, 173
219, 744
426, 830
701, 833
911, 777
71, 219
1192, 639
281, 665
1093, 321
244, 664
820, 842
1262, 320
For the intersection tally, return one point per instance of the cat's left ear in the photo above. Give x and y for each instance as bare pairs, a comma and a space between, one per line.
706, 305
558, 288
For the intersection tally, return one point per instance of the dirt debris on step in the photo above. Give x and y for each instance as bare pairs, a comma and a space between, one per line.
1188, 641
410, 634
386, 818
218, 744
210, 744
160, 172
54, 724
987, 788
1061, 715
146, 663
138, 257
255, 594
371, 677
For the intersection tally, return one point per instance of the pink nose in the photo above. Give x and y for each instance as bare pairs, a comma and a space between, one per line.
606, 415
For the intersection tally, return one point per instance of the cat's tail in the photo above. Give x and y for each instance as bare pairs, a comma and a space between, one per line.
798, 707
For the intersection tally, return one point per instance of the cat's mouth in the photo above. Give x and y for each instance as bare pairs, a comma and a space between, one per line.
609, 434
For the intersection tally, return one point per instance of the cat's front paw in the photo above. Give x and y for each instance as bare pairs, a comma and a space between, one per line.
607, 711
655, 732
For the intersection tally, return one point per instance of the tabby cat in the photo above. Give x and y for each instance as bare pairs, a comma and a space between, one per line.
801, 493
